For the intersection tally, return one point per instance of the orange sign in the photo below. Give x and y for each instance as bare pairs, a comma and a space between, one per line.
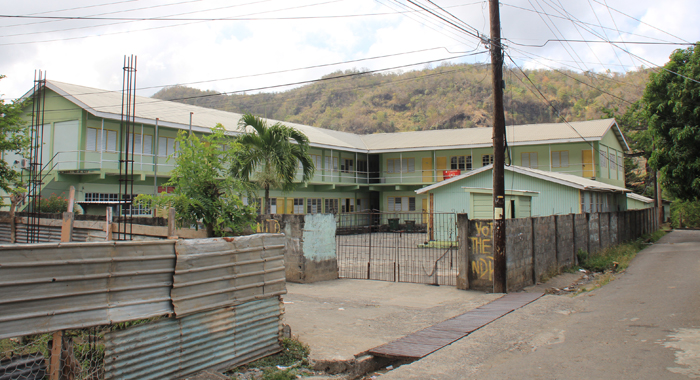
450, 173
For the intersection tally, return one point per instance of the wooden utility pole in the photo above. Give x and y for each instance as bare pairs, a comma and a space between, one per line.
499, 128
659, 200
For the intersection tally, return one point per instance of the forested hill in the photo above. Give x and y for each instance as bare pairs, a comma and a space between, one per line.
449, 96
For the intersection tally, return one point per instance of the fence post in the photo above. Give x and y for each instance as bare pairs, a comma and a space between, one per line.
55, 364
108, 224
14, 200
171, 223
463, 253
532, 250
556, 241
68, 218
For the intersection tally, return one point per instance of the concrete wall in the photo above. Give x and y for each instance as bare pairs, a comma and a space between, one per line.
537, 246
310, 252
519, 258
566, 252
544, 245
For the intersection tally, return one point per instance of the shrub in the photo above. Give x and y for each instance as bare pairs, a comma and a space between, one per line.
687, 212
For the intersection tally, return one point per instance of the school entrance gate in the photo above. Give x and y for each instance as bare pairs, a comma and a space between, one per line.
401, 247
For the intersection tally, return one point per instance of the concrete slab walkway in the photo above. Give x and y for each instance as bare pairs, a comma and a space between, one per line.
343, 318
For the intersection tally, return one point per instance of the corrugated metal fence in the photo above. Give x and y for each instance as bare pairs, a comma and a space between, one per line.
220, 296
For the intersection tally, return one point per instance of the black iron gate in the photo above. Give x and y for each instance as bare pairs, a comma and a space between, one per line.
404, 247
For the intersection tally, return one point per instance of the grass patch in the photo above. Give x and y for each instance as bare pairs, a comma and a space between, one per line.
617, 258
294, 356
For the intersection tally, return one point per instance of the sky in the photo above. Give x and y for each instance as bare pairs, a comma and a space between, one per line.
273, 45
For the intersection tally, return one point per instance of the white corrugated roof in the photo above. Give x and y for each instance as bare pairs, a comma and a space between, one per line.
560, 178
640, 198
108, 105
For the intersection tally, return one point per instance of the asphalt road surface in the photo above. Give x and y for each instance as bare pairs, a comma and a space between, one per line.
643, 325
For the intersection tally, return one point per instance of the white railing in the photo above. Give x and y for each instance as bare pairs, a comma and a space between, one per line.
96, 160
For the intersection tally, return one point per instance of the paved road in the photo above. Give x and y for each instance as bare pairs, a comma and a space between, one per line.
643, 325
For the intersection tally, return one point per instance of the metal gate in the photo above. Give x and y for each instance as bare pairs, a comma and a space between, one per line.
404, 247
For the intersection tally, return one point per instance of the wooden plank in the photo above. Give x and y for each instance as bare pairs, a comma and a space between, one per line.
431, 339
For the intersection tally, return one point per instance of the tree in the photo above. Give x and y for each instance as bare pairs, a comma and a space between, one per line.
671, 102
204, 189
272, 155
14, 136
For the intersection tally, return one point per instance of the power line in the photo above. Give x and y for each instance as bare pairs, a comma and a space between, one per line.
638, 20
284, 71
170, 26
303, 82
582, 22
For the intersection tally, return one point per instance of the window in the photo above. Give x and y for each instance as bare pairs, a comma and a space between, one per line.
92, 139
101, 197
328, 163
461, 163
313, 205
96, 142
167, 146
613, 161
401, 204
486, 159
346, 165
603, 159
135, 210
398, 165
560, 159
348, 205
298, 205
273, 205
141, 143
316, 159
529, 160
620, 164
331, 206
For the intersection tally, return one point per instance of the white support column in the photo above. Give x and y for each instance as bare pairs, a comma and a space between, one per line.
400, 167
550, 157
102, 139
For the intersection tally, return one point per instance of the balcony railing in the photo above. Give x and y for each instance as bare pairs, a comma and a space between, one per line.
77, 160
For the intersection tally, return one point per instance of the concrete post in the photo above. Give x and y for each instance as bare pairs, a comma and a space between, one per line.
463, 251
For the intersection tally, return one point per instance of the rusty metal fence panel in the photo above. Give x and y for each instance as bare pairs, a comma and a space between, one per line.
173, 348
221, 272
403, 247
49, 287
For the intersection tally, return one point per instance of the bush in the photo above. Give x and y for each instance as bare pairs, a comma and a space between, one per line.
688, 211
54, 204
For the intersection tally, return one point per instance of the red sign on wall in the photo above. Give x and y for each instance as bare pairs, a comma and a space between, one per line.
450, 173
164, 189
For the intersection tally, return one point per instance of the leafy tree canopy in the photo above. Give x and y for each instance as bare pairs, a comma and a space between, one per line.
272, 155
204, 189
671, 103
14, 137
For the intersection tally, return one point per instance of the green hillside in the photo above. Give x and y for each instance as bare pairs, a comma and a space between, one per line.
449, 96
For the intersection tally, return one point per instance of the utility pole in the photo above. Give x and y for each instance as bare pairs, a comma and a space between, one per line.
659, 199
499, 128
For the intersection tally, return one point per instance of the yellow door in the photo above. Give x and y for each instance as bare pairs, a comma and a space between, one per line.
427, 169
440, 165
587, 160
290, 206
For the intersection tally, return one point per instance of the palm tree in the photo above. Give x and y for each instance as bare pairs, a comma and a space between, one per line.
271, 155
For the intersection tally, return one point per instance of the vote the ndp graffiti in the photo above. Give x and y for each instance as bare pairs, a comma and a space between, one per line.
481, 254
